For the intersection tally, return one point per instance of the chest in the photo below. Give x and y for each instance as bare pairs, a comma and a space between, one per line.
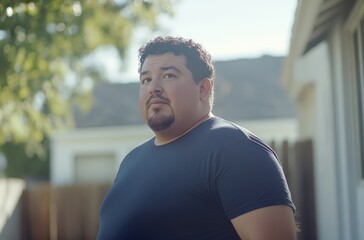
166, 195
166, 184
160, 192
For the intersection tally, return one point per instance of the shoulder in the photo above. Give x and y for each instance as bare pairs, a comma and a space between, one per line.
247, 174
222, 126
229, 134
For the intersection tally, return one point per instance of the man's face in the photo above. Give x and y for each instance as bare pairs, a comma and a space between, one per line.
168, 97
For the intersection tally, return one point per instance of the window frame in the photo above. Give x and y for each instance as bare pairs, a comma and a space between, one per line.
355, 27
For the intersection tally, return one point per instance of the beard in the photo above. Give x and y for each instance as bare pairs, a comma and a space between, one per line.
159, 121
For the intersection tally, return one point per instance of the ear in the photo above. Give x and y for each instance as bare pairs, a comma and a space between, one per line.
206, 86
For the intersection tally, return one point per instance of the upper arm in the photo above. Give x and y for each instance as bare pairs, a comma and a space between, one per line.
274, 222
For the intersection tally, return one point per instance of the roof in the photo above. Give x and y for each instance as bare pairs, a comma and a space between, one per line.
313, 19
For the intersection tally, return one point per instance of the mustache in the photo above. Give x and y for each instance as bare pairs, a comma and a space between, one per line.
157, 96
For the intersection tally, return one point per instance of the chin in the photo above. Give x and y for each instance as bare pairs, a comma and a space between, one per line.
159, 122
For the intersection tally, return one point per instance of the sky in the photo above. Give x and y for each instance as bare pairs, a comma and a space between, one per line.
228, 29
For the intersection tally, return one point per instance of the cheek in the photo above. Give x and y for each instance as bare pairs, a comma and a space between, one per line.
142, 101
184, 100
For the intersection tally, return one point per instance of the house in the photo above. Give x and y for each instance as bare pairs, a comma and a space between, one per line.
324, 73
93, 150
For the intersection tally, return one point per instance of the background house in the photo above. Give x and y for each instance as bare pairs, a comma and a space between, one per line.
247, 91
324, 73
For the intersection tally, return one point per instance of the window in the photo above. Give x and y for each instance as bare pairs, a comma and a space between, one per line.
359, 75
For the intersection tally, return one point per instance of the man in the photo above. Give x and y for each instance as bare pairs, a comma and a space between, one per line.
200, 177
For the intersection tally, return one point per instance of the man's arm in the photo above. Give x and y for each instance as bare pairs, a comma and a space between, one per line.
273, 223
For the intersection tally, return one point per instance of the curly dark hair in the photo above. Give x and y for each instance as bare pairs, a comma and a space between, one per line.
198, 60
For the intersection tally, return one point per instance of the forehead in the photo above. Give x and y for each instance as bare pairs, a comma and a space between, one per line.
162, 60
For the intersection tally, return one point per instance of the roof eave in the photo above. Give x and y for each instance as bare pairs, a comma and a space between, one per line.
307, 13
314, 19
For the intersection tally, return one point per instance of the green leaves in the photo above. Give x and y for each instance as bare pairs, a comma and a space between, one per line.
42, 42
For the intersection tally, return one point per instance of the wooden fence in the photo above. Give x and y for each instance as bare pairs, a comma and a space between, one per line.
62, 213
71, 212
297, 161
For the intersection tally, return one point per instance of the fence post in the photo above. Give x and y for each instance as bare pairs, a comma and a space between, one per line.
305, 193
36, 212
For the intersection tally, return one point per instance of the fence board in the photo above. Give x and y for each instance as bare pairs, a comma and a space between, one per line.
304, 160
62, 212
297, 163
36, 212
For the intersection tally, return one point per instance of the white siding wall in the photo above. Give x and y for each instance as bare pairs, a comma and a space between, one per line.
314, 68
109, 141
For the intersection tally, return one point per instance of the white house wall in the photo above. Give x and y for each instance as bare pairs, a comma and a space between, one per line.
314, 68
66, 145
353, 153
306, 113
346, 163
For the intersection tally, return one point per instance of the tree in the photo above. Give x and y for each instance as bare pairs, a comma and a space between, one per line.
41, 41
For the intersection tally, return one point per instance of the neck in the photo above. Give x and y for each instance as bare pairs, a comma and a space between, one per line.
159, 140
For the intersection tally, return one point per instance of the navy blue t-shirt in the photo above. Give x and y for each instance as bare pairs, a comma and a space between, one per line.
192, 187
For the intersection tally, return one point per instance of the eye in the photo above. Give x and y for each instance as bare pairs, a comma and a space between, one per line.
169, 75
145, 80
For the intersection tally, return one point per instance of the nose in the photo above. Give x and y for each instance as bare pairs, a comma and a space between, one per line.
155, 86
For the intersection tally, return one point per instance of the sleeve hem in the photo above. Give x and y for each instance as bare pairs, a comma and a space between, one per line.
245, 209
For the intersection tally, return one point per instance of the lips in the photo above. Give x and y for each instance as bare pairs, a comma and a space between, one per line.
156, 101
153, 103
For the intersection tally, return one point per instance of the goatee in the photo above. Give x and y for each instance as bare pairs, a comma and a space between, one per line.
159, 122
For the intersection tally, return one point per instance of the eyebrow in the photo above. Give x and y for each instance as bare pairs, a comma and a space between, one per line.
163, 69
171, 68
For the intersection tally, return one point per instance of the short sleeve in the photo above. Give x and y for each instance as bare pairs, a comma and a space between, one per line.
249, 176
